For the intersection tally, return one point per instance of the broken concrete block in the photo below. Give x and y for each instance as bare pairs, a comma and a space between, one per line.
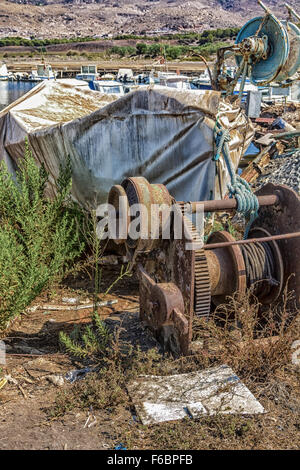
208, 392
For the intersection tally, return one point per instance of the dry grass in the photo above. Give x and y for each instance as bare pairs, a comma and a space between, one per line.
258, 348
253, 340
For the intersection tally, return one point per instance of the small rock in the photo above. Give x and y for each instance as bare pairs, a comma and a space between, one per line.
70, 300
296, 353
57, 380
10, 379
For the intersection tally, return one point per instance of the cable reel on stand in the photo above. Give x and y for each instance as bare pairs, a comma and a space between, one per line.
266, 50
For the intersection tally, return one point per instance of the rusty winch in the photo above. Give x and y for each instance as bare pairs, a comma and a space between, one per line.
181, 277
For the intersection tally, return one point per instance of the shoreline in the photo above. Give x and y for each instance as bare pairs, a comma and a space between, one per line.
72, 66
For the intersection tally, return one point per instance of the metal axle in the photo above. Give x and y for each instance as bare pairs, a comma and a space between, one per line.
285, 236
226, 204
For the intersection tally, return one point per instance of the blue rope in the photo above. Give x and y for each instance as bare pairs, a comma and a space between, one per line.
247, 202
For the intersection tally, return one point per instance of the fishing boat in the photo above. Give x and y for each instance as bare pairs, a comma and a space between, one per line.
125, 76
275, 93
108, 87
88, 73
174, 80
202, 82
3, 72
43, 72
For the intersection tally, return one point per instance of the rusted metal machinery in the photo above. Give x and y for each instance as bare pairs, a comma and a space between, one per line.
266, 50
180, 277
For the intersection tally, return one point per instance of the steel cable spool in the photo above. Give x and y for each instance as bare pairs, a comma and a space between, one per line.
264, 267
259, 267
266, 70
281, 59
144, 196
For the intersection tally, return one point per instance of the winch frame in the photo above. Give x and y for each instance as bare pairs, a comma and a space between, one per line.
177, 283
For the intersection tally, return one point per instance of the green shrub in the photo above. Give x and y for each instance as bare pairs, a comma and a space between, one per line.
38, 236
141, 48
71, 53
155, 50
174, 52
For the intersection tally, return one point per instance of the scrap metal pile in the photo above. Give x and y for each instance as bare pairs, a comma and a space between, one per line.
278, 137
288, 172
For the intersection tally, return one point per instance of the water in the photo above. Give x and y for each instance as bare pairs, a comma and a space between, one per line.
11, 91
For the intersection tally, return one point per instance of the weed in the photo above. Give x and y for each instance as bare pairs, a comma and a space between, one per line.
38, 236
215, 223
255, 342
93, 340
71, 53
213, 432
95, 248
99, 390
116, 362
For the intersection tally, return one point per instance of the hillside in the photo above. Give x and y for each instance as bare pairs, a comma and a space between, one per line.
70, 18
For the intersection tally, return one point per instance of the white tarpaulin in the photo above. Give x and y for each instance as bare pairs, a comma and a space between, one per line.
160, 133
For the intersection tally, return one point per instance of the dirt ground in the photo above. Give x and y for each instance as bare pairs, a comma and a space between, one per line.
34, 356
24, 421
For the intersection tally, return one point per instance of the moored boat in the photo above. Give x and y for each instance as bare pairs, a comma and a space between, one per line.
88, 73
43, 72
3, 72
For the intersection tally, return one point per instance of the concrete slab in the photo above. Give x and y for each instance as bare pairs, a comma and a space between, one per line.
208, 392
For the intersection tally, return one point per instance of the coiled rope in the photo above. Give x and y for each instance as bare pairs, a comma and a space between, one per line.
247, 202
260, 267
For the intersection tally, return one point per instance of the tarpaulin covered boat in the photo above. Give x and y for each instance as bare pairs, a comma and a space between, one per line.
165, 135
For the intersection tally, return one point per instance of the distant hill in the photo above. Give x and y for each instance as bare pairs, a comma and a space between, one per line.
69, 18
